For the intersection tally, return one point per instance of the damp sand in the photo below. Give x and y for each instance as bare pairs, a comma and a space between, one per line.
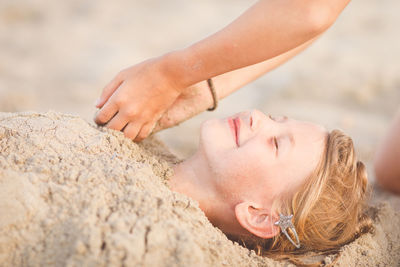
72, 194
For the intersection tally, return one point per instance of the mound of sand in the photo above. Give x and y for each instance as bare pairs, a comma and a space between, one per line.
72, 194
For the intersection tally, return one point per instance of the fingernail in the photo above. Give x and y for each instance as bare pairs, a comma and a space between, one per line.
98, 101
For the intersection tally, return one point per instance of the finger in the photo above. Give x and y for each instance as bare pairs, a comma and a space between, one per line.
167, 120
118, 122
106, 113
159, 126
145, 131
131, 130
108, 90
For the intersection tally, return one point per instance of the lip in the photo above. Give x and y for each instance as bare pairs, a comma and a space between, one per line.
234, 124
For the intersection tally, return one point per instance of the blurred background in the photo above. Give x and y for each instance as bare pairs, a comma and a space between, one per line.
58, 55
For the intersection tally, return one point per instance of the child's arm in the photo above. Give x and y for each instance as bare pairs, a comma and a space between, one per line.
266, 30
387, 167
138, 96
197, 98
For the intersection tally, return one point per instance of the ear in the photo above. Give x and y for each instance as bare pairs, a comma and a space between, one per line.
257, 221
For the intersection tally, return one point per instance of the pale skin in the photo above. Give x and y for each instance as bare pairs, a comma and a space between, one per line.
387, 167
243, 164
164, 88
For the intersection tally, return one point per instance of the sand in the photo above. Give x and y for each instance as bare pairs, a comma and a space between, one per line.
72, 194
59, 55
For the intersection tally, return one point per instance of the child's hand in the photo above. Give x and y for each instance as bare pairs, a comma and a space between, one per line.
192, 101
135, 99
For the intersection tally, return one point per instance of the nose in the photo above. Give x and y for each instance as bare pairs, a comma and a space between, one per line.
247, 117
257, 119
261, 120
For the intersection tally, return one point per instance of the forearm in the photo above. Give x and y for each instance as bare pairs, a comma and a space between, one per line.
197, 98
386, 163
266, 30
229, 82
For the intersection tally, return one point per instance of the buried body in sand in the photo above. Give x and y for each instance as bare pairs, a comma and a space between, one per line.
77, 195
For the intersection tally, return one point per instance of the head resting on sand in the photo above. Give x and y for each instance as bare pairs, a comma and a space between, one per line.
250, 167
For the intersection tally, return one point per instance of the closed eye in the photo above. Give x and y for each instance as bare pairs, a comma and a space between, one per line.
278, 118
276, 144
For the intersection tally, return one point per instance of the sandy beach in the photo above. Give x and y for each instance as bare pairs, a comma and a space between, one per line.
59, 55
77, 195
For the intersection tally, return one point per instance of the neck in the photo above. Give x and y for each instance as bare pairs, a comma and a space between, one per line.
191, 178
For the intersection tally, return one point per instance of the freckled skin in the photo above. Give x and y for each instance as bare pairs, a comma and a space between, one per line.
255, 171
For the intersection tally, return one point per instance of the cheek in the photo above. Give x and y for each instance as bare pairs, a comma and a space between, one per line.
238, 173
228, 167
215, 136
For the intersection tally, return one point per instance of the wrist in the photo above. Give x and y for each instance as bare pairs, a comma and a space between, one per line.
202, 94
182, 68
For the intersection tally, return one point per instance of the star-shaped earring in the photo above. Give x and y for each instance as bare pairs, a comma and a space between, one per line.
284, 223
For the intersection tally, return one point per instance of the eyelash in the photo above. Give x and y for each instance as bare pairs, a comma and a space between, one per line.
279, 118
276, 143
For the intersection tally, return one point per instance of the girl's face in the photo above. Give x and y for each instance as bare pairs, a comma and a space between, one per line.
255, 157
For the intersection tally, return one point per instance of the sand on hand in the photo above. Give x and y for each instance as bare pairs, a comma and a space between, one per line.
72, 194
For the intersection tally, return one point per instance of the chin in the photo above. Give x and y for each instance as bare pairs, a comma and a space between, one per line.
215, 136
208, 130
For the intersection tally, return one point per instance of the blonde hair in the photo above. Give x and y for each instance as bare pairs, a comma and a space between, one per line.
328, 209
